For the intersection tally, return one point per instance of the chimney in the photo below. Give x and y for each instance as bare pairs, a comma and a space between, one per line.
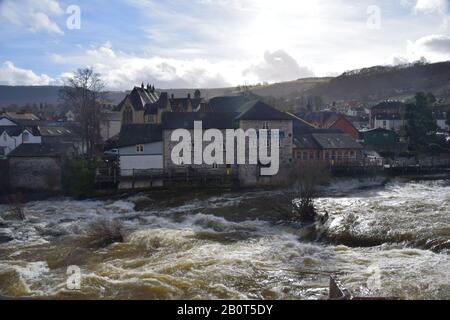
172, 96
148, 87
189, 95
142, 85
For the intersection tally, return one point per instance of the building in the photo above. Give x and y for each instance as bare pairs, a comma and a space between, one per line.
388, 121
189, 104
146, 105
12, 135
55, 133
110, 125
185, 120
140, 149
380, 140
387, 109
19, 116
38, 167
330, 148
143, 105
440, 115
251, 115
332, 120
259, 115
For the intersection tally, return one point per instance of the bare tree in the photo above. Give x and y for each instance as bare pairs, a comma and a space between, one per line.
84, 92
297, 204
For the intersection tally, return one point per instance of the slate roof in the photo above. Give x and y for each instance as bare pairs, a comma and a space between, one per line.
336, 141
182, 104
258, 110
388, 105
139, 98
210, 120
228, 103
306, 141
41, 150
12, 131
133, 134
161, 103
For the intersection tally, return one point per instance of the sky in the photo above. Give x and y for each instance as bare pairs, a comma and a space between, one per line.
214, 43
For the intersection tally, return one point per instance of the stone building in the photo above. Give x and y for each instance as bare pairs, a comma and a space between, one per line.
259, 115
143, 105
185, 120
38, 167
146, 105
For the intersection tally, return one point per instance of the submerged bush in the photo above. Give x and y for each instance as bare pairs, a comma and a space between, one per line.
102, 232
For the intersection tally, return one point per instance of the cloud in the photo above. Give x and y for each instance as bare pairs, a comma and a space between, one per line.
431, 6
433, 47
120, 70
11, 75
33, 15
278, 66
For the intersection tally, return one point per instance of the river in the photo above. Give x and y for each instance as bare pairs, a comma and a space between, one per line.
384, 240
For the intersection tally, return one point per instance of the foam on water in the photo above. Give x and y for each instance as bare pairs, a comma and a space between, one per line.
191, 250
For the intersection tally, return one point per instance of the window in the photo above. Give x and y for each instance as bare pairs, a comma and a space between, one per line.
266, 125
140, 148
215, 166
128, 115
26, 137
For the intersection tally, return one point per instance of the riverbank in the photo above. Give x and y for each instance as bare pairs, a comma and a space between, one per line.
343, 181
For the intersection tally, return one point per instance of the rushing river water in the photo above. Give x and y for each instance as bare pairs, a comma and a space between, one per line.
391, 240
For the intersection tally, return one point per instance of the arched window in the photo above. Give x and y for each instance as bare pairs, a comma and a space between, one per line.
128, 115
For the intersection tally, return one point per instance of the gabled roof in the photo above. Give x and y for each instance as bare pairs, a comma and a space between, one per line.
258, 110
12, 131
133, 134
182, 104
41, 150
210, 120
139, 97
14, 123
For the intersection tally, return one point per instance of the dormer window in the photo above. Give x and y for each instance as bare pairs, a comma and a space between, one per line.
26, 137
140, 148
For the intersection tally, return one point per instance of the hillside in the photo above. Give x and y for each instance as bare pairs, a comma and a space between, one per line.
378, 83
370, 84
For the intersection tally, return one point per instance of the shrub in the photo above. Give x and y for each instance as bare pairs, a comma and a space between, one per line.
102, 232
